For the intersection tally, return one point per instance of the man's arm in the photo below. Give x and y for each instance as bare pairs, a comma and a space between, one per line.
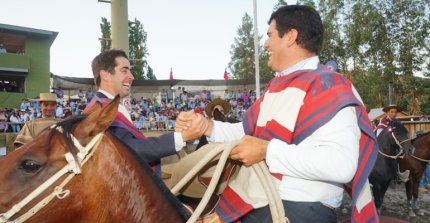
150, 149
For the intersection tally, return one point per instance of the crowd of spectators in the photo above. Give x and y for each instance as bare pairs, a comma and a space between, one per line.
146, 113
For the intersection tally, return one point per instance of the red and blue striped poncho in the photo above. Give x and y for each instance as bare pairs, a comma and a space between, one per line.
324, 94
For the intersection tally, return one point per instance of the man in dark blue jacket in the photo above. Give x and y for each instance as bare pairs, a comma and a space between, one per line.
112, 76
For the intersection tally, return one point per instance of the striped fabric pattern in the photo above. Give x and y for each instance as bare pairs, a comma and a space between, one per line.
291, 109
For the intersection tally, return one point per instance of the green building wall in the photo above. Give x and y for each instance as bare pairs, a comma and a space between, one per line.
36, 60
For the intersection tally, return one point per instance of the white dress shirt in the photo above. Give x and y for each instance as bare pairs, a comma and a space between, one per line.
315, 169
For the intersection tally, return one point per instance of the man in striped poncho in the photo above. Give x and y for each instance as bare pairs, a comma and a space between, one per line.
309, 126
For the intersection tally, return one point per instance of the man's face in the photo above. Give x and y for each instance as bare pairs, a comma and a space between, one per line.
48, 108
122, 78
392, 113
276, 48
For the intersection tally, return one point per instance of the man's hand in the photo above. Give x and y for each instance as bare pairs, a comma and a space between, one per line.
184, 120
191, 125
250, 150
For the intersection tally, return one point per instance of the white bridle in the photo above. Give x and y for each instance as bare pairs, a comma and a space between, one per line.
73, 167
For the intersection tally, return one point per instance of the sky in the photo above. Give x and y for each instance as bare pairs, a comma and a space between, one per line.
193, 37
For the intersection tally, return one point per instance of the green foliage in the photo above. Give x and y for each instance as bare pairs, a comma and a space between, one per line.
138, 51
279, 4
150, 74
242, 64
105, 41
377, 43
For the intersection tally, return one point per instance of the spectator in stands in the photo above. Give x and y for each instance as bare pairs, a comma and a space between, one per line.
2, 49
163, 95
89, 94
47, 103
3, 121
81, 95
15, 121
59, 112
67, 112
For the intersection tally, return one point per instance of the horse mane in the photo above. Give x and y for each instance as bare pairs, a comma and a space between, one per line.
67, 128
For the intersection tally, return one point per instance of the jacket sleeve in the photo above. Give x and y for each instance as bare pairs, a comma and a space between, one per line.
150, 149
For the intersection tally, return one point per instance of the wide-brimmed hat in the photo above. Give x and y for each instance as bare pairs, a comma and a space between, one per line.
218, 101
46, 97
390, 107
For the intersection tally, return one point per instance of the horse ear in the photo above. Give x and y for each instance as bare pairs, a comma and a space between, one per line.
98, 119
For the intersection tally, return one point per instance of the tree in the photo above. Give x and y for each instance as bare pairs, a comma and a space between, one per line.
242, 64
279, 5
105, 41
150, 74
137, 46
138, 51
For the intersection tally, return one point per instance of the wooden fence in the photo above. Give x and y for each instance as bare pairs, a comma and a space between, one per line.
414, 126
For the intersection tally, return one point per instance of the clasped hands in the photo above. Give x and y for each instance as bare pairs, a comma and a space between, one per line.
193, 125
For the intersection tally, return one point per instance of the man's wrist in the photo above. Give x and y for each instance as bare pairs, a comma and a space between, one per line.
208, 131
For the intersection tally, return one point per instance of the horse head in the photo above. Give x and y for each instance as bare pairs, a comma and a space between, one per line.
76, 171
394, 140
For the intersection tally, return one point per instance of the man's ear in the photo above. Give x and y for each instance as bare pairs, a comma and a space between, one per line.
291, 36
104, 75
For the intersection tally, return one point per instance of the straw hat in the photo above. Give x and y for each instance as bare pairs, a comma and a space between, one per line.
218, 101
390, 107
46, 97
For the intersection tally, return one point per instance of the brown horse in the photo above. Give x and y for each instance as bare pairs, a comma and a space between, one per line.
416, 164
103, 181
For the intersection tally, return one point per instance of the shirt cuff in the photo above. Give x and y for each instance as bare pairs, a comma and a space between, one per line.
179, 142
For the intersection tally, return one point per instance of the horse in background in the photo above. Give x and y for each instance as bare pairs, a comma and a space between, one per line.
77, 171
416, 163
393, 143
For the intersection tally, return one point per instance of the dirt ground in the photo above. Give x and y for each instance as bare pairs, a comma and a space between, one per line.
394, 205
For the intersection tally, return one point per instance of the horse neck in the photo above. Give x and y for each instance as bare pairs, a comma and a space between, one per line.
128, 188
422, 147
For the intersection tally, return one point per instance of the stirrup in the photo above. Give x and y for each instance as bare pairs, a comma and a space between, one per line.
403, 176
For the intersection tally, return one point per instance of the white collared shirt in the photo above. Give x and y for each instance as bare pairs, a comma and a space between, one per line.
315, 169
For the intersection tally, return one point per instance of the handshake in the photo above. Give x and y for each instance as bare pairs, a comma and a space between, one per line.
192, 125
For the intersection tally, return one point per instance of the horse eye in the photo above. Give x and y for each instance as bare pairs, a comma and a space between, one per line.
30, 166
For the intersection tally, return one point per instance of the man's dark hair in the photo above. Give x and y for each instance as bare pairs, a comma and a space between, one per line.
105, 61
305, 20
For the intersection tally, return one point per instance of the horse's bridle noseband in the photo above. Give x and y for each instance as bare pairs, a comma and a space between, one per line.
401, 152
73, 166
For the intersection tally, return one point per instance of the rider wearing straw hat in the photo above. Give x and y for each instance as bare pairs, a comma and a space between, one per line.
48, 104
